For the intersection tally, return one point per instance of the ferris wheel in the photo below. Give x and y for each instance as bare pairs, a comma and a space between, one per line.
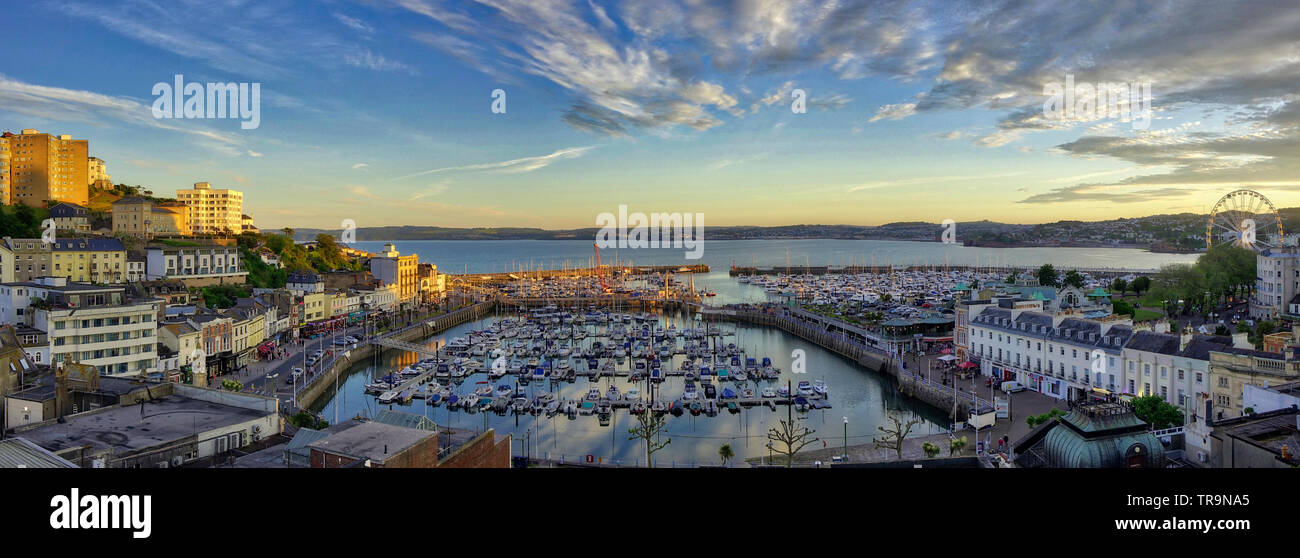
1246, 219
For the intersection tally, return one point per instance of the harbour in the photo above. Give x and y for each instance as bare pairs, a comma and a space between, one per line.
578, 411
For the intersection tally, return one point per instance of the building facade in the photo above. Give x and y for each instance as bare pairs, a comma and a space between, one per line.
45, 167
196, 266
213, 211
391, 267
1277, 281
90, 324
70, 217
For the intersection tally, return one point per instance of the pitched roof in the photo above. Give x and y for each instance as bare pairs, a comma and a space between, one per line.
1152, 342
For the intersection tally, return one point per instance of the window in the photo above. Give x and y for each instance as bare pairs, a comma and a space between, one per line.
1223, 382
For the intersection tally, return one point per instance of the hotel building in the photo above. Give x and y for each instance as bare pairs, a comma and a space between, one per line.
394, 269
213, 211
90, 324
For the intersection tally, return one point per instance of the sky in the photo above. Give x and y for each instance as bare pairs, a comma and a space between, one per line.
381, 111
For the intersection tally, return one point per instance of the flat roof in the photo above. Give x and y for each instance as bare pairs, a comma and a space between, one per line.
375, 441
124, 429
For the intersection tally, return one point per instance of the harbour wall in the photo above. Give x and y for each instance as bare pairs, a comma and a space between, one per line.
879, 360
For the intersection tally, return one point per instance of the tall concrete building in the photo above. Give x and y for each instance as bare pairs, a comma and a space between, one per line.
44, 167
4, 168
213, 211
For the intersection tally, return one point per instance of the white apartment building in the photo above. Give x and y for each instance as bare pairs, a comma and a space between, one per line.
196, 266
1059, 356
96, 170
86, 323
1277, 281
213, 210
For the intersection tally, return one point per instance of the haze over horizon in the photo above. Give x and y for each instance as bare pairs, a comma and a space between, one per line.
380, 111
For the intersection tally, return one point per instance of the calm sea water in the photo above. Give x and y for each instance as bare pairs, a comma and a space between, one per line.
864, 397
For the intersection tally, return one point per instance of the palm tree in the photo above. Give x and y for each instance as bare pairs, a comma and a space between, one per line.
725, 453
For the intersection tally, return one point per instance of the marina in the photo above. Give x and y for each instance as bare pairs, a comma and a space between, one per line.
532, 375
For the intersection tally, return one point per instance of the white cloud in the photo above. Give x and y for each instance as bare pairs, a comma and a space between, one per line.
894, 112
520, 165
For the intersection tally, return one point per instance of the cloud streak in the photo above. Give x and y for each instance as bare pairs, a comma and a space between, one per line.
512, 166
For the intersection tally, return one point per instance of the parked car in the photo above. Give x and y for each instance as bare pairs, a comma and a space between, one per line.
1012, 387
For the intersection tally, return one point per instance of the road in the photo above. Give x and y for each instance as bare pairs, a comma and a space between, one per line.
274, 376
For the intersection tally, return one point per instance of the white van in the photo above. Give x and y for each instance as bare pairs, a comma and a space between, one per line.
1012, 387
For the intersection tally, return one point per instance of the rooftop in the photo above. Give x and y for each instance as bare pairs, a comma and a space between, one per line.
375, 441
17, 453
130, 428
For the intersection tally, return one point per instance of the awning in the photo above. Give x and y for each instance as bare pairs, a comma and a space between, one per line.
967, 364
947, 358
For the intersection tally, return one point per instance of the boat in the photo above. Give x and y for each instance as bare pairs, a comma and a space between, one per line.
483, 389
587, 408
690, 393
612, 393
727, 393
801, 404
819, 387
633, 394
805, 388
768, 392
783, 391
593, 394
505, 390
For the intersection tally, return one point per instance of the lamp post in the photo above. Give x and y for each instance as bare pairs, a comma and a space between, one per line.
846, 439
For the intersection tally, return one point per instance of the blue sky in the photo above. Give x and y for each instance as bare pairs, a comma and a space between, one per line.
380, 111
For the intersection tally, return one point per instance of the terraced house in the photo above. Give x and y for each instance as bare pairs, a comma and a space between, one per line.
1061, 356
196, 266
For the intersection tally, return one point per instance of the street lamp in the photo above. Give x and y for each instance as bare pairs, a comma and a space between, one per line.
845, 457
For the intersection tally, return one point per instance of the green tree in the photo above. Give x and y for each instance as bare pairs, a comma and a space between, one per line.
1140, 284
930, 450
956, 445
1047, 276
1154, 410
725, 453
1073, 279
1119, 285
